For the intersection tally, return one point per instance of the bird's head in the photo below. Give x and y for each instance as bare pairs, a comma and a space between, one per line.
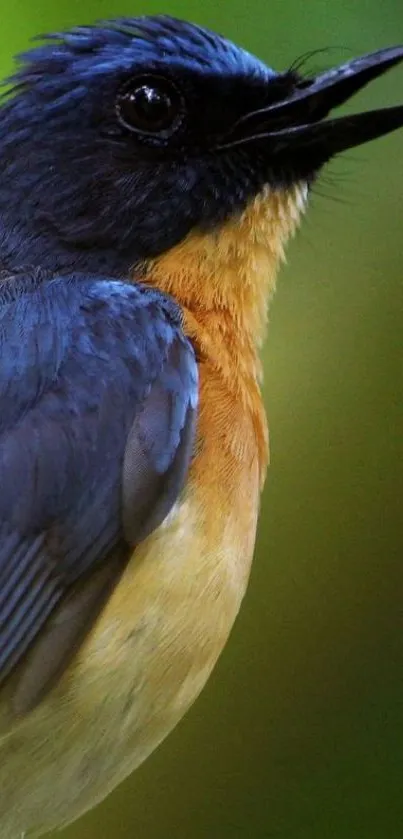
121, 140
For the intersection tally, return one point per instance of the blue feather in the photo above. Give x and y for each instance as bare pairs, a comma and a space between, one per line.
81, 357
80, 193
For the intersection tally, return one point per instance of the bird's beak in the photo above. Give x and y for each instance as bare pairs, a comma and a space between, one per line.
296, 124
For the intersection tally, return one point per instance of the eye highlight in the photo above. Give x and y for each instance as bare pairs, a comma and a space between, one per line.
150, 105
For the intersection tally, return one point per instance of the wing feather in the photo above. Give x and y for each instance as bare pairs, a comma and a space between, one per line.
98, 402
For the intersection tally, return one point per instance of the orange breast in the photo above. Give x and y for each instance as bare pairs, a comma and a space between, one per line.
231, 454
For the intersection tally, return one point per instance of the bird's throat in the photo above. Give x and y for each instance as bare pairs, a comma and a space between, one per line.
223, 279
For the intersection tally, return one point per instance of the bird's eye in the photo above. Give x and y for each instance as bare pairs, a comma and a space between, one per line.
150, 105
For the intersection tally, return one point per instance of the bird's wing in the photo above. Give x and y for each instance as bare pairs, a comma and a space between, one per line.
98, 398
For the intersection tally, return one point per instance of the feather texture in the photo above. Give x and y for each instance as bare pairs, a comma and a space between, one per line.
98, 392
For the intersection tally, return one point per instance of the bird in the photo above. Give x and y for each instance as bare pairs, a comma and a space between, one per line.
151, 173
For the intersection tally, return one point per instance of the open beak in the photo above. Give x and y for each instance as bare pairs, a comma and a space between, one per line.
297, 124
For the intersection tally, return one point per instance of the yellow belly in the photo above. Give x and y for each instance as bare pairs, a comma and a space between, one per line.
149, 656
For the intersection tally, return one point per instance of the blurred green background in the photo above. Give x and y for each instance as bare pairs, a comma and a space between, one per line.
299, 734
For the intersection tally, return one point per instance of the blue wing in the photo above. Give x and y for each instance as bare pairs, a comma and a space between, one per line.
98, 397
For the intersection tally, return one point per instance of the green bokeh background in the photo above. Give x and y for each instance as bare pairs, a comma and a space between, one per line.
299, 734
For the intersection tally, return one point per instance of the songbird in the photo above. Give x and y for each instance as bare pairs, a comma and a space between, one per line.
151, 174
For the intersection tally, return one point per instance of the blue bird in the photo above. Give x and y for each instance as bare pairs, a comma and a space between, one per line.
151, 174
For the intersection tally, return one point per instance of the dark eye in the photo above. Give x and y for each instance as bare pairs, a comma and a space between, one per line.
150, 105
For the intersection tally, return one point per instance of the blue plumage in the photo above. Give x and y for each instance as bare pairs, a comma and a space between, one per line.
80, 192
116, 45
82, 359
